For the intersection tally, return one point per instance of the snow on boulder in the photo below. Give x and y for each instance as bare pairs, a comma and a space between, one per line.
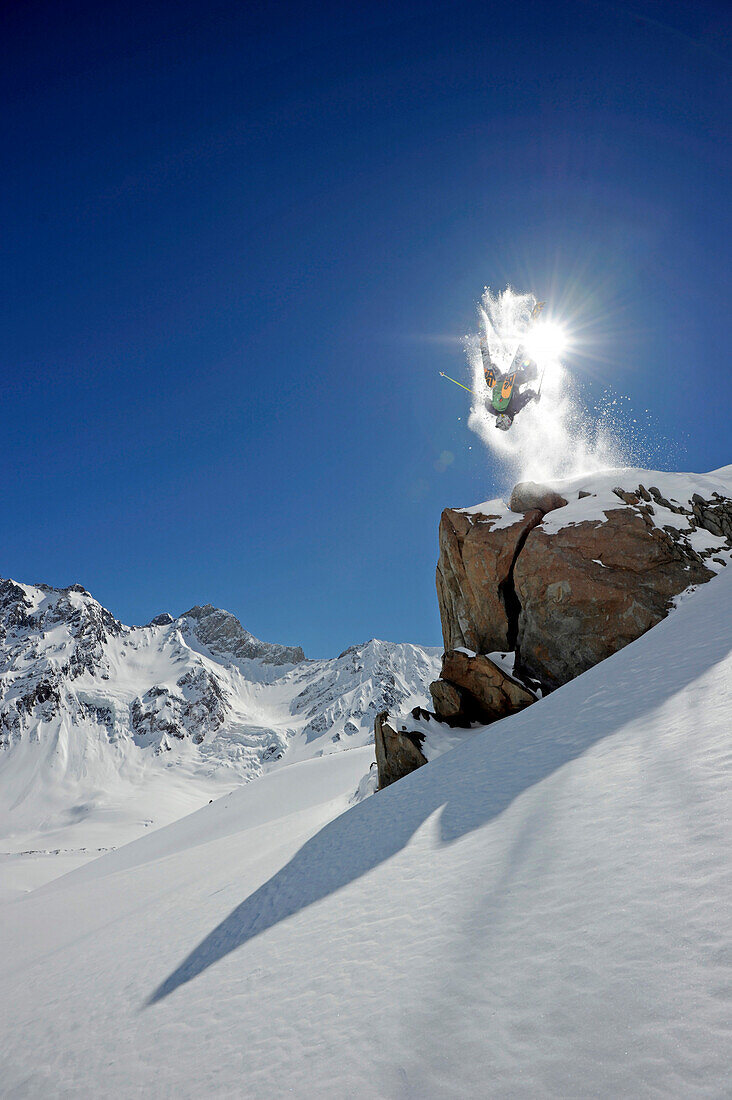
398, 750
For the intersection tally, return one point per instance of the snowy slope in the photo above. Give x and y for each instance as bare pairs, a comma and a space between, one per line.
542, 912
108, 730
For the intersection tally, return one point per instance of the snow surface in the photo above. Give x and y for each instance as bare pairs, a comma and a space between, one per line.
542, 912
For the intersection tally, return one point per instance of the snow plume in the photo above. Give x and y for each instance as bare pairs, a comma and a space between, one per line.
552, 438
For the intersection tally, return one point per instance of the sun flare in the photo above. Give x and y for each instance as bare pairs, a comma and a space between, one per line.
545, 341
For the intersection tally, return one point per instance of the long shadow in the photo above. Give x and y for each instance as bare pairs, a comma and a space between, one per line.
473, 786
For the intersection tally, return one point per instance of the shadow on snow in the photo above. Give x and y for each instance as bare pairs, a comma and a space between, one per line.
471, 787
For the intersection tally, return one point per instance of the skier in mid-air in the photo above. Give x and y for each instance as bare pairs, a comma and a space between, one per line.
506, 396
508, 390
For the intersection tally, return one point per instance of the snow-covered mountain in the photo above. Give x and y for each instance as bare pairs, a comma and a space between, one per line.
542, 912
106, 725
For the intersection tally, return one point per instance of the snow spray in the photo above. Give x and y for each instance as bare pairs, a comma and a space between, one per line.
553, 438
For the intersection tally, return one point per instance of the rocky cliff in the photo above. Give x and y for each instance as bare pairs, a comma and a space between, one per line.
566, 574
534, 592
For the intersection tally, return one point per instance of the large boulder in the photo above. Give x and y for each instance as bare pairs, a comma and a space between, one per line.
397, 751
472, 688
449, 702
474, 578
564, 579
587, 590
529, 495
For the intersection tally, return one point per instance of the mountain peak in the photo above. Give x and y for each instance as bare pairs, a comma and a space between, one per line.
163, 619
222, 633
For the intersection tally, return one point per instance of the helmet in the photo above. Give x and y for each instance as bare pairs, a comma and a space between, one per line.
503, 422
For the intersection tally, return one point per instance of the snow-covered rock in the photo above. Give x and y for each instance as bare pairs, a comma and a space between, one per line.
487, 692
570, 572
398, 749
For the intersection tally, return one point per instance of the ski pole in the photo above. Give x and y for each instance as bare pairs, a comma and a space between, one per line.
447, 376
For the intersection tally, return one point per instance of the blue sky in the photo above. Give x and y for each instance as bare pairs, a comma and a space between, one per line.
240, 242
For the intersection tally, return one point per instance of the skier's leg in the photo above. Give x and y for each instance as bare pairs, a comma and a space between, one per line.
527, 372
518, 401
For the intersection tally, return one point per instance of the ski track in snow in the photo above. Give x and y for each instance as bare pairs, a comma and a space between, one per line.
542, 912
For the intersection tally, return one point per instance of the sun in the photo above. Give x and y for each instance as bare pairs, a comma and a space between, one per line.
545, 341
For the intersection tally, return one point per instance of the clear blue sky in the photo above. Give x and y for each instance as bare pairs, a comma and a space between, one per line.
240, 241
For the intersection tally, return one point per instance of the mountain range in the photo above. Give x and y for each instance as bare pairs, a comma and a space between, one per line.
106, 729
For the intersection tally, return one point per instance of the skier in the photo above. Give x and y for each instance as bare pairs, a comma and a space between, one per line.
507, 399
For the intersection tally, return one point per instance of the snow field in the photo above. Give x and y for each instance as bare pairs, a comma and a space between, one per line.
542, 912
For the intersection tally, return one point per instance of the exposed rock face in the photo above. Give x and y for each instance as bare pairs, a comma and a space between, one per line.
449, 702
485, 692
713, 515
564, 596
397, 751
474, 578
586, 591
222, 633
164, 619
197, 709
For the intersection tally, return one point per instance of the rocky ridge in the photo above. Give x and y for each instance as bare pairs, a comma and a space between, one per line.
223, 635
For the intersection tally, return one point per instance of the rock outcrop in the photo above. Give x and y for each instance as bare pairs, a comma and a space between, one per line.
472, 688
563, 595
588, 590
549, 586
398, 752
475, 578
